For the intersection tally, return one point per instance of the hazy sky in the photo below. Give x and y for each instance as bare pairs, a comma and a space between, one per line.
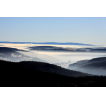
88, 30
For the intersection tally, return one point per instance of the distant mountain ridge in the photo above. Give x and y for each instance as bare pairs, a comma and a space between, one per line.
99, 62
52, 43
96, 66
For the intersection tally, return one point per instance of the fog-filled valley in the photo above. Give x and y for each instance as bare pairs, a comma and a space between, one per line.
73, 57
39, 54
52, 65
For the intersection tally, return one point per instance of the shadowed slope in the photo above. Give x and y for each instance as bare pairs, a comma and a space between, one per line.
20, 74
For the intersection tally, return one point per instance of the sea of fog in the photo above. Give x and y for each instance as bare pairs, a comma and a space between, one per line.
62, 59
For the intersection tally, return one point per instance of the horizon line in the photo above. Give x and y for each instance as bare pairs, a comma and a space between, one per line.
45, 42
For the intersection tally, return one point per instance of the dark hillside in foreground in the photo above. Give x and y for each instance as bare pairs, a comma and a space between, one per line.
46, 67
23, 74
39, 66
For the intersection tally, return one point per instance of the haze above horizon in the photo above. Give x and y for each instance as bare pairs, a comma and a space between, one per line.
86, 30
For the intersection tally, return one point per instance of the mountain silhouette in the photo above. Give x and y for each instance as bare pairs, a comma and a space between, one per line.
93, 63
39, 74
40, 66
52, 43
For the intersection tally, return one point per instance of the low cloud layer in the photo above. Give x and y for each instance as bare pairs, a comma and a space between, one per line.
68, 49
53, 55
96, 66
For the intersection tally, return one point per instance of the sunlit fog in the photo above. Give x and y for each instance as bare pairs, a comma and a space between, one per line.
62, 58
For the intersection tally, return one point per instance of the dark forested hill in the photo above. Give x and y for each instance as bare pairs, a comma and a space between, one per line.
93, 63
37, 74
40, 66
95, 66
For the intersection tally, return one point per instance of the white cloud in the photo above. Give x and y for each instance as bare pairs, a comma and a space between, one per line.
13, 55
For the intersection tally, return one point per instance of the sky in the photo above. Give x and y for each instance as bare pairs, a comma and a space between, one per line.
88, 30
